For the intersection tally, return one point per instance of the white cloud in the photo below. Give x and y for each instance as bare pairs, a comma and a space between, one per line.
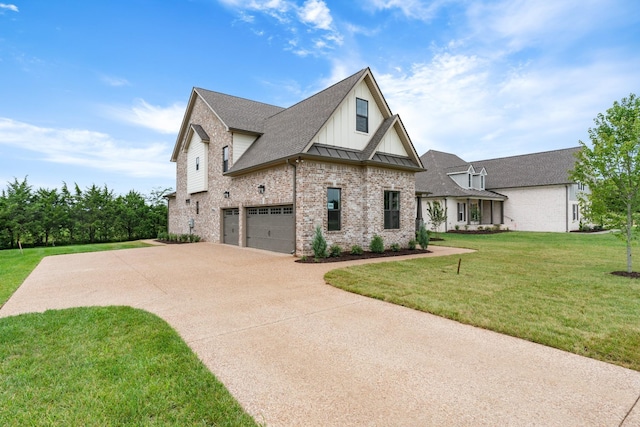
88, 149
414, 9
11, 7
114, 81
472, 107
160, 119
320, 36
316, 13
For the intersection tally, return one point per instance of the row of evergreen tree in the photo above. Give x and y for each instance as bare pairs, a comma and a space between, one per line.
54, 217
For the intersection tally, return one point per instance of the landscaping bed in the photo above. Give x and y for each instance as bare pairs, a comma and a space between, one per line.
365, 255
490, 231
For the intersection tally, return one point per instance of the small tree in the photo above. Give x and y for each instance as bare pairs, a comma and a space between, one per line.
423, 237
611, 170
319, 244
377, 244
437, 215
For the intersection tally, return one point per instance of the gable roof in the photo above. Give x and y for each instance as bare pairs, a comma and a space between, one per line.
436, 182
238, 113
530, 170
284, 133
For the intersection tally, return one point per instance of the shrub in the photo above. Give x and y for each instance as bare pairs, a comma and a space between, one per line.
194, 238
480, 228
412, 244
423, 237
496, 227
319, 244
376, 245
163, 235
183, 238
335, 251
356, 250
395, 247
457, 227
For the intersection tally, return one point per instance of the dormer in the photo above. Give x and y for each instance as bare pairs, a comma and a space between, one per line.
469, 178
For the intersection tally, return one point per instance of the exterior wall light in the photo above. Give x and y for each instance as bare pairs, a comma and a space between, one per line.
261, 189
226, 194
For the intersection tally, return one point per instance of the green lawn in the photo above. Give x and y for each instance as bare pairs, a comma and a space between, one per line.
100, 366
106, 366
550, 288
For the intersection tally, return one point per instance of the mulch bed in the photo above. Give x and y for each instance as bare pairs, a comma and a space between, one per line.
477, 231
632, 275
366, 255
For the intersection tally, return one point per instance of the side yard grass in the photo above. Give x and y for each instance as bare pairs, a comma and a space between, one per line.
106, 366
100, 366
551, 288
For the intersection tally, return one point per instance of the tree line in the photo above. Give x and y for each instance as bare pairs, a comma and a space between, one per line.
45, 216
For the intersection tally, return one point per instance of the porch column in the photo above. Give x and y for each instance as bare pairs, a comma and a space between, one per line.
468, 209
419, 220
491, 222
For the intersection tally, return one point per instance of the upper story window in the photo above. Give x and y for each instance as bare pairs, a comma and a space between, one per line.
362, 115
225, 159
197, 163
482, 182
391, 209
470, 181
334, 208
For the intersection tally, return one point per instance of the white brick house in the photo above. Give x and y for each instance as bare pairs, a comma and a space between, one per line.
257, 175
532, 192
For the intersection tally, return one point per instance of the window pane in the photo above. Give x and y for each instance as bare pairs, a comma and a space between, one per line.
391, 209
334, 204
362, 115
225, 159
333, 198
333, 221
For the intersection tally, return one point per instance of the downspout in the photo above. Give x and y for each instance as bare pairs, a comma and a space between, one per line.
295, 211
566, 207
446, 215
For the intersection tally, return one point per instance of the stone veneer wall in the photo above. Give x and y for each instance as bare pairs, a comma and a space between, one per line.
362, 212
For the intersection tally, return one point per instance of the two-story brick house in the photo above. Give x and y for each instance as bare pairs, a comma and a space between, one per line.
262, 176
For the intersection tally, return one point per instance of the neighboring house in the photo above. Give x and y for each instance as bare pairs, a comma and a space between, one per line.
532, 192
261, 176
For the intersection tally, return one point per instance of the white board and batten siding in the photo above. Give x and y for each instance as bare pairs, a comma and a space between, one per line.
340, 129
241, 143
391, 144
197, 155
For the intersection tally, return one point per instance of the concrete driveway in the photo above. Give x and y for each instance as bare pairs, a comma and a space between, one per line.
295, 351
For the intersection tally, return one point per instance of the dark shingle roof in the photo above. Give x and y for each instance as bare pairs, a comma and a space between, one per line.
435, 181
290, 131
238, 113
528, 170
283, 133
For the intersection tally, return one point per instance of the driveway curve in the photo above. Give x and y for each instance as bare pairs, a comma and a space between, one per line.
296, 352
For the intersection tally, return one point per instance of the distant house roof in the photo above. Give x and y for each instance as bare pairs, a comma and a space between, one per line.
436, 182
284, 133
529, 170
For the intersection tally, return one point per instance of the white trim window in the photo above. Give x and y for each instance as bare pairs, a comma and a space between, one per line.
362, 115
462, 212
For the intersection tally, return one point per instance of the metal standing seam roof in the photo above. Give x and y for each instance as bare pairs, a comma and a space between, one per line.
287, 132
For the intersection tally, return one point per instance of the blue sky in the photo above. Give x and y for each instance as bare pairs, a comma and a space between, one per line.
94, 92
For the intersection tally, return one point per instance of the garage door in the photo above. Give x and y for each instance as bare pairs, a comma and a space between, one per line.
230, 226
271, 228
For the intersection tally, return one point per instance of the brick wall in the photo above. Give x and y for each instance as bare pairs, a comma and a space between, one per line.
362, 211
